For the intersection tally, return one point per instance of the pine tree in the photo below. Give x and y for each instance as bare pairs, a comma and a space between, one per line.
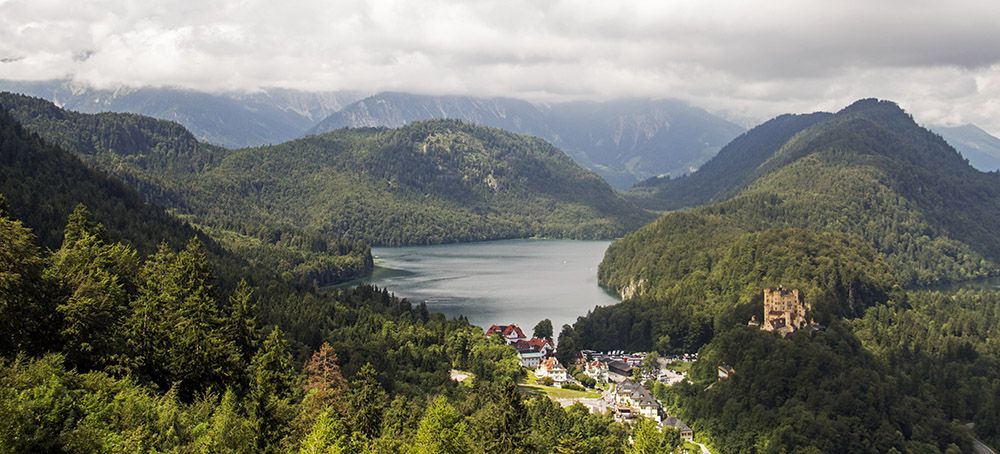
366, 403
441, 430
228, 431
501, 425
242, 321
27, 316
176, 328
97, 280
272, 383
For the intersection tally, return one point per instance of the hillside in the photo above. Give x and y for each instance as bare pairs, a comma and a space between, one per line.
868, 172
228, 119
160, 159
855, 210
43, 183
978, 146
427, 182
622, 141
728, 171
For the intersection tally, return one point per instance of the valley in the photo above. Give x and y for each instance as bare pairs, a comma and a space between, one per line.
391, 249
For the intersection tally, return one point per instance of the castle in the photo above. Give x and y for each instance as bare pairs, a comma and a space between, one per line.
784, 311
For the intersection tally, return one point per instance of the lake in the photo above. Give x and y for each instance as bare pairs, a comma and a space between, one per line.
511, 281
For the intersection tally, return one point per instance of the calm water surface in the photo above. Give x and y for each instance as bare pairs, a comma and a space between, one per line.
513, 281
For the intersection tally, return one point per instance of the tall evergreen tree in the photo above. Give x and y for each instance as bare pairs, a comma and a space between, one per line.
242, 321
500, 425
97, 280
441, 430
367, 402
176, 327
272, 383
27, 318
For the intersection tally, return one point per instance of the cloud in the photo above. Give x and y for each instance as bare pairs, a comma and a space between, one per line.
940, 60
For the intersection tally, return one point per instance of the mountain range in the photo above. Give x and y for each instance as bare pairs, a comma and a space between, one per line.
427, 182
859, 211
978, 146
231, 120
623, 141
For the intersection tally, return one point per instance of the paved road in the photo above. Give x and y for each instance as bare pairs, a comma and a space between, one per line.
980, 448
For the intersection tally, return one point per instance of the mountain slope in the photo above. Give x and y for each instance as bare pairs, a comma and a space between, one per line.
161, 159
631, 140
427, 182
623, 141
229, 119
731, 169
868, 172
978, 146
43, 183
854, 211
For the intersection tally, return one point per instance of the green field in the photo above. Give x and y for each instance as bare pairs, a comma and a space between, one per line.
531, 385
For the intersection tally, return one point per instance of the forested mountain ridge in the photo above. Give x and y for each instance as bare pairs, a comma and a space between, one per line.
728, 171
160, 159
867, 171
424, 183
624, 141
231, 119
42, 183
854, 211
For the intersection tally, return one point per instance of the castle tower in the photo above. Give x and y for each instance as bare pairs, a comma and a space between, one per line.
784, 310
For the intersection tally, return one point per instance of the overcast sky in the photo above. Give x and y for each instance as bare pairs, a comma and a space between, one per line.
746, 59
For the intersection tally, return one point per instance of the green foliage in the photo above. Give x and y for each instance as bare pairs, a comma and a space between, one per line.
26, 315
366, 402
181, 381
441, 430
176, 329
425, 183
822, 391
272, 384
649, 439
159, 159
943, 348
543, 330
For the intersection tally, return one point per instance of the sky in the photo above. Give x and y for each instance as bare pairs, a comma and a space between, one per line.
747, 60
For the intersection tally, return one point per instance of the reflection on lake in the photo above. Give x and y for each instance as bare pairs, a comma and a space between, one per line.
513, 281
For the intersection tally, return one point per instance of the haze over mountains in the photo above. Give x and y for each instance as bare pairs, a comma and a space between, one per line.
232, 120
623, 141
978, 146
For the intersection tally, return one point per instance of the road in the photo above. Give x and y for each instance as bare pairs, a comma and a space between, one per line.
980, 448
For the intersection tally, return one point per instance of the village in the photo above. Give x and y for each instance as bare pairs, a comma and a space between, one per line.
616, 382
615, 377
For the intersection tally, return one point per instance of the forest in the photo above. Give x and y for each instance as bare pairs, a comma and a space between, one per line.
860, 210
103, 350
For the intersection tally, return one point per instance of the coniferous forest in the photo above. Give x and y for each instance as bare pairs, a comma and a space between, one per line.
210, 325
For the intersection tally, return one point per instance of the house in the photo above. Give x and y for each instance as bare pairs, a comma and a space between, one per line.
596, 370
543, 345
510, 333
638, 400
726, 371
531, 356
618, 371
686, 433
550, 368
